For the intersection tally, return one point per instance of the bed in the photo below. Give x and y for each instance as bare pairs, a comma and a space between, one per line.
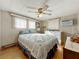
37, 45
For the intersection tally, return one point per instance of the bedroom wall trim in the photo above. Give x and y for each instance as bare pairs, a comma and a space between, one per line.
22, 16
9, 45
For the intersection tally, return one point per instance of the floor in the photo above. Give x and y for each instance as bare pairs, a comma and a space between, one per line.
16, 53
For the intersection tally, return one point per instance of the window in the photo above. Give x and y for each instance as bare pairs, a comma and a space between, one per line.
32, 24
53, 24
20, 23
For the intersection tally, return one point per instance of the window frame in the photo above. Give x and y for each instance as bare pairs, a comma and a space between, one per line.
55, 28
20, 18
32, 21
27, 22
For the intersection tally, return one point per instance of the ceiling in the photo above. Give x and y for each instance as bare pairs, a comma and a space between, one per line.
58, 7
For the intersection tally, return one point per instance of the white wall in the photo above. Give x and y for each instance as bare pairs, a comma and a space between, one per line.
78, 23
53, 24
0, 29
9, 34
69, 29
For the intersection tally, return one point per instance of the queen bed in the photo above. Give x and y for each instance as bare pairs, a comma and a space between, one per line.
38, 46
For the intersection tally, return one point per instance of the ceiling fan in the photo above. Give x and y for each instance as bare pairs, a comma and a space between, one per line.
42, 9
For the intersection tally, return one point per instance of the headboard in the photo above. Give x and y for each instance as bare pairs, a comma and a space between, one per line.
28, 31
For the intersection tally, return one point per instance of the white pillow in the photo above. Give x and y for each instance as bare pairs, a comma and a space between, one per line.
48, 32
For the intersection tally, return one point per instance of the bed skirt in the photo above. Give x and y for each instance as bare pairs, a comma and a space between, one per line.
50, 53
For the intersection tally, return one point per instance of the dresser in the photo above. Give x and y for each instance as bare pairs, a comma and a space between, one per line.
71, 50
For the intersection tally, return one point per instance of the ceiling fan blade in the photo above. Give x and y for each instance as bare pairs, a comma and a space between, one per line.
32, 12
31, 7
47, 13
45, 8
49, 10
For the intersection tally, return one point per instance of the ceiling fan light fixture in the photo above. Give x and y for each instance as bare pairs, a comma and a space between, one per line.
40, 15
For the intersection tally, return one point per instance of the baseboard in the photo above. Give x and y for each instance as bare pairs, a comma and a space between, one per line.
9, 45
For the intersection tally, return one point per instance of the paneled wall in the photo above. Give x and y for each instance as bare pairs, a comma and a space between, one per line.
9, 34
53, 24
69, 29
0, 29
78, 23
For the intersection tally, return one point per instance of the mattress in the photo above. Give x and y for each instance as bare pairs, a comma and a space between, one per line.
38, 44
